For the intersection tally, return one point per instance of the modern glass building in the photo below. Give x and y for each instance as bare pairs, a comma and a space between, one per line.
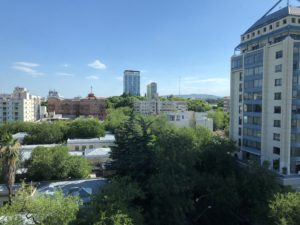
265, 91
131, 82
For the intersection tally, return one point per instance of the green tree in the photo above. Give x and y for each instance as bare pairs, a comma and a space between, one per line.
117, 203
116, 117
85, 128
55, 164
45, 133
220, 119
133, 156
40, 209
198, 105
285, 209
9, 152
78, 167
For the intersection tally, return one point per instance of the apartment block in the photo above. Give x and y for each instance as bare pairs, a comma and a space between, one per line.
265, 91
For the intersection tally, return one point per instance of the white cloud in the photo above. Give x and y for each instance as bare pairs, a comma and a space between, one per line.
92, 77
120, 78
97, 64
26, 67
26, 64
62, 74
66, 65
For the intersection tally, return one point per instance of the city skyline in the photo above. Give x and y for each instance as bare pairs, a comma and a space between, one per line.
69, 46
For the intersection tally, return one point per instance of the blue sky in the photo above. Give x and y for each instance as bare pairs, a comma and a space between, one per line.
69, 45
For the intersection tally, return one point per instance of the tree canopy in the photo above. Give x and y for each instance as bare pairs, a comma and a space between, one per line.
56, 163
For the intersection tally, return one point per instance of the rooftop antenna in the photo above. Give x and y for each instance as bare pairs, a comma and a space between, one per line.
277, 3
179, 85
91, 89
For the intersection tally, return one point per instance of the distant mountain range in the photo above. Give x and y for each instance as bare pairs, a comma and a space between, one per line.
198, 96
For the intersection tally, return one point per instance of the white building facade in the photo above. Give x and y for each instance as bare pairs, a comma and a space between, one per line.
19, 106
265, 92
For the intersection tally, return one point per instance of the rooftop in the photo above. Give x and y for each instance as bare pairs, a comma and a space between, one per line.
267, 19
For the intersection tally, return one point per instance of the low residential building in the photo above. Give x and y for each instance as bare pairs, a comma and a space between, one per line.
91, 143
19, 106
189, 119
72, 108
156, 107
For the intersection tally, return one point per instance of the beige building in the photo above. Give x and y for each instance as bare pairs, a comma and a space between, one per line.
19, 106
265, 91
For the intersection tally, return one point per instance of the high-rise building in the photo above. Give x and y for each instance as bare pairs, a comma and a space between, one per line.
19, 106
265, 91
131, 82
152, 91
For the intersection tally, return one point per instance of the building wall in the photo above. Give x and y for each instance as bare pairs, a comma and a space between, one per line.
19, 106
131, 82
78, 107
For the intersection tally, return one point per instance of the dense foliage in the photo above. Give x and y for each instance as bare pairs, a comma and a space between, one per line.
40, 209
220, 119
56, 132
55, 164
165, 175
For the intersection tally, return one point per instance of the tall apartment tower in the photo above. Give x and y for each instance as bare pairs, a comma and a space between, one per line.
265, 91
152, 91
19, 106
131, 82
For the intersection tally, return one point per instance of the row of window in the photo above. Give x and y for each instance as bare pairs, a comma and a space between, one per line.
253, 95
252, 108
253, 83
269, 28
252, 144
253, 59
251, 132
255, 120
254, 71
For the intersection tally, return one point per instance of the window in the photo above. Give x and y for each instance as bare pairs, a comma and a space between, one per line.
277, 109
277, 96
76, 148
278, 82
83, 147
265, 29
253, 34
276, 164
278, 68
270, 27
276, 123
277, 24
241, 76
276, 150
293, 20
91, 146
240, 131
298, 20
240, 87
276, 137
240, 121
258, 32
279, 54
248, 36
284, 21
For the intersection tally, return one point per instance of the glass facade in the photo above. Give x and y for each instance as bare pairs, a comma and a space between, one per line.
253, 82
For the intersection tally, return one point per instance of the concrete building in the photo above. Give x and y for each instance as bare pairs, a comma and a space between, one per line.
131, 82
189, 119
156, 107
265, 91
19, 106
226, 104
72, 108
152, 91
91, 143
